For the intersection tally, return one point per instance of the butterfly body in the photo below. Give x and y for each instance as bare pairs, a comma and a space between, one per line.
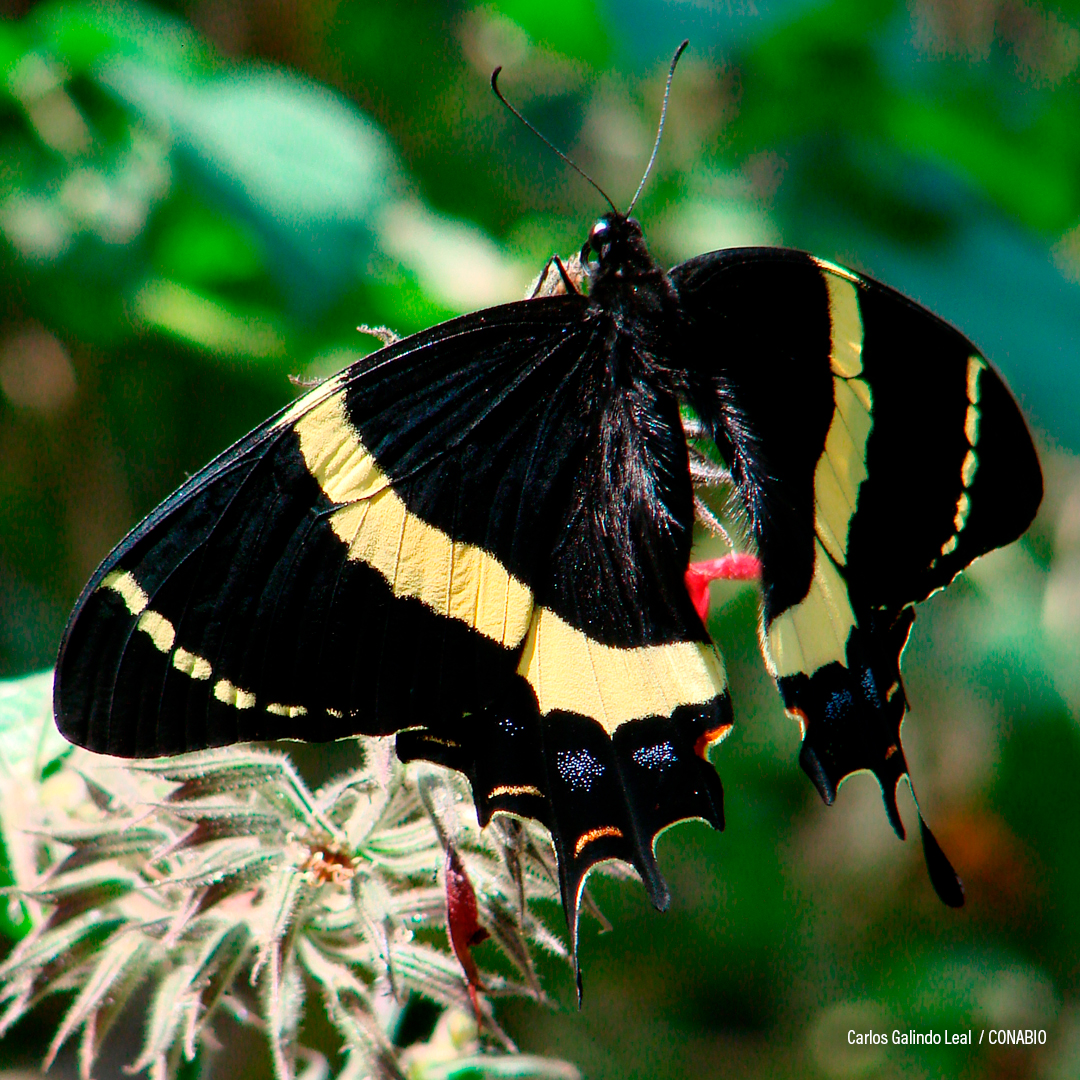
477, 538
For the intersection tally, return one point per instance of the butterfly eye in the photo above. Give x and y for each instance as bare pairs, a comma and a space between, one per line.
599, 241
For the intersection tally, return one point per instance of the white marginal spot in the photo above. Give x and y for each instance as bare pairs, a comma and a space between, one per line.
337, 714
967, 469
196, 667
963, 508
286, 710
228, 694
122, 582
970, 465
971, 424
161, 632
976, 365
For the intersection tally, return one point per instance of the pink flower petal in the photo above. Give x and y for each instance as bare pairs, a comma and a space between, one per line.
734, 567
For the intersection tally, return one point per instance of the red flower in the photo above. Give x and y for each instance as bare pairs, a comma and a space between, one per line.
733, 567
462, 923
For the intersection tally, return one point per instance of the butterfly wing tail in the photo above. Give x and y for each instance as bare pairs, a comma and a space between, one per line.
603, 797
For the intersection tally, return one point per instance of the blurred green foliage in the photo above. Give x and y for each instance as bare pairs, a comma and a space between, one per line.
197, 200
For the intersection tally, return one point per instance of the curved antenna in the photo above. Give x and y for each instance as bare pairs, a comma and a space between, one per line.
547, 142
660, 130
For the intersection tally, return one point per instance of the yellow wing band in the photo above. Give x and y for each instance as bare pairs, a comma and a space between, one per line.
814, 632
456, 580
569, 671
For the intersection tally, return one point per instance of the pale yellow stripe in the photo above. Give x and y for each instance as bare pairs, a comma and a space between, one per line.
971, 424
835, 268
515, 789
195, 666
841, 469
161, 632
861, 389
653, 671
457, 580
846, 324
846, 458
968, 468
950, 545
569, 671
122, 582
852, 398
832, 511
290, 711
335, 456
974, 370
815, 631
963, 508
784, 648
228, 694
598, 705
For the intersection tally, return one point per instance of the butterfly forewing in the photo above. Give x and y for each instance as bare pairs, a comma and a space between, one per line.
430, 542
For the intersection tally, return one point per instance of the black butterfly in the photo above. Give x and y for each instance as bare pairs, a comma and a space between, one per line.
477, 538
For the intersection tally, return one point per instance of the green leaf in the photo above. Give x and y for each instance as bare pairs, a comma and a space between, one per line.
301, 165
200, 245
13, 46
571, 27
1033, 183
29, 740
172, 998
82, 34
219, 962
29, 743
121, 960
503, 1067
208, 322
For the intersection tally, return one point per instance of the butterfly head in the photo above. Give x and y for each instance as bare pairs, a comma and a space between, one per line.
616, 247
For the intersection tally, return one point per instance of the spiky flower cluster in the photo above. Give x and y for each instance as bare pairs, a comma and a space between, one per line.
222, 883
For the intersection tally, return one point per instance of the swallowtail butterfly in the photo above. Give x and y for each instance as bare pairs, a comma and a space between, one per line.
477, 538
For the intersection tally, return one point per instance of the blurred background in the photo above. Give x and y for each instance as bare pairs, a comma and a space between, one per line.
200, 199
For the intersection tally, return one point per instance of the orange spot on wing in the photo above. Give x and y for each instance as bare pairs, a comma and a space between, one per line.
798, 715
708, 739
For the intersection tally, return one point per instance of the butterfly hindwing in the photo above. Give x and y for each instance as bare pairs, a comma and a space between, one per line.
876, 453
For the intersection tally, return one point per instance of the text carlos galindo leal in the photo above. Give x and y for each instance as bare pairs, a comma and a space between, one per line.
911, 1037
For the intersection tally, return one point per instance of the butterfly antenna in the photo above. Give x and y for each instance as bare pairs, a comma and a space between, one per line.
660, 130
546, 141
